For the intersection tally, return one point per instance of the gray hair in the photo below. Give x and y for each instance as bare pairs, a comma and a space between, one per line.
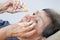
55, 26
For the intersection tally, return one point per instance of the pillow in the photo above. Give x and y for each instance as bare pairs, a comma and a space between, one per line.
56, 36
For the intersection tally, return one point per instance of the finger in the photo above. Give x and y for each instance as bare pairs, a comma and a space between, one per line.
26, 18
30, 27
21, 10
25, 23
10, 10
28, 34
21, 5
16, 4
21, 30
6, 5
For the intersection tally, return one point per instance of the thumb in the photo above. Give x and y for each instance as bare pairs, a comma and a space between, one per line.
6, 5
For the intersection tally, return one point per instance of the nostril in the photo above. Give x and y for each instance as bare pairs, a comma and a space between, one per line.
33, 13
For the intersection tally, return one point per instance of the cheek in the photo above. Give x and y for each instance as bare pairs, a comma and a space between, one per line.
39, 27
39, 30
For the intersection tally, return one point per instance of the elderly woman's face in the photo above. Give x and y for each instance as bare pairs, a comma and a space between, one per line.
41, 18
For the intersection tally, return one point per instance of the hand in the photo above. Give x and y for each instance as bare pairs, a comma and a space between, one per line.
13, 6
17, 6
22, 31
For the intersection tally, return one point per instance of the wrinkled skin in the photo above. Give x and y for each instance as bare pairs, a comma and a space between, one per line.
13, 6
16, 5
18, 30
36, 23
41, 19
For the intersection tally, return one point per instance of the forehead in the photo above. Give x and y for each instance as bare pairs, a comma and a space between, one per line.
40, 13
37, 14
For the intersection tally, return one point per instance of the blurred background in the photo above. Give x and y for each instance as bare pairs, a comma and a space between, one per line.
33, 6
